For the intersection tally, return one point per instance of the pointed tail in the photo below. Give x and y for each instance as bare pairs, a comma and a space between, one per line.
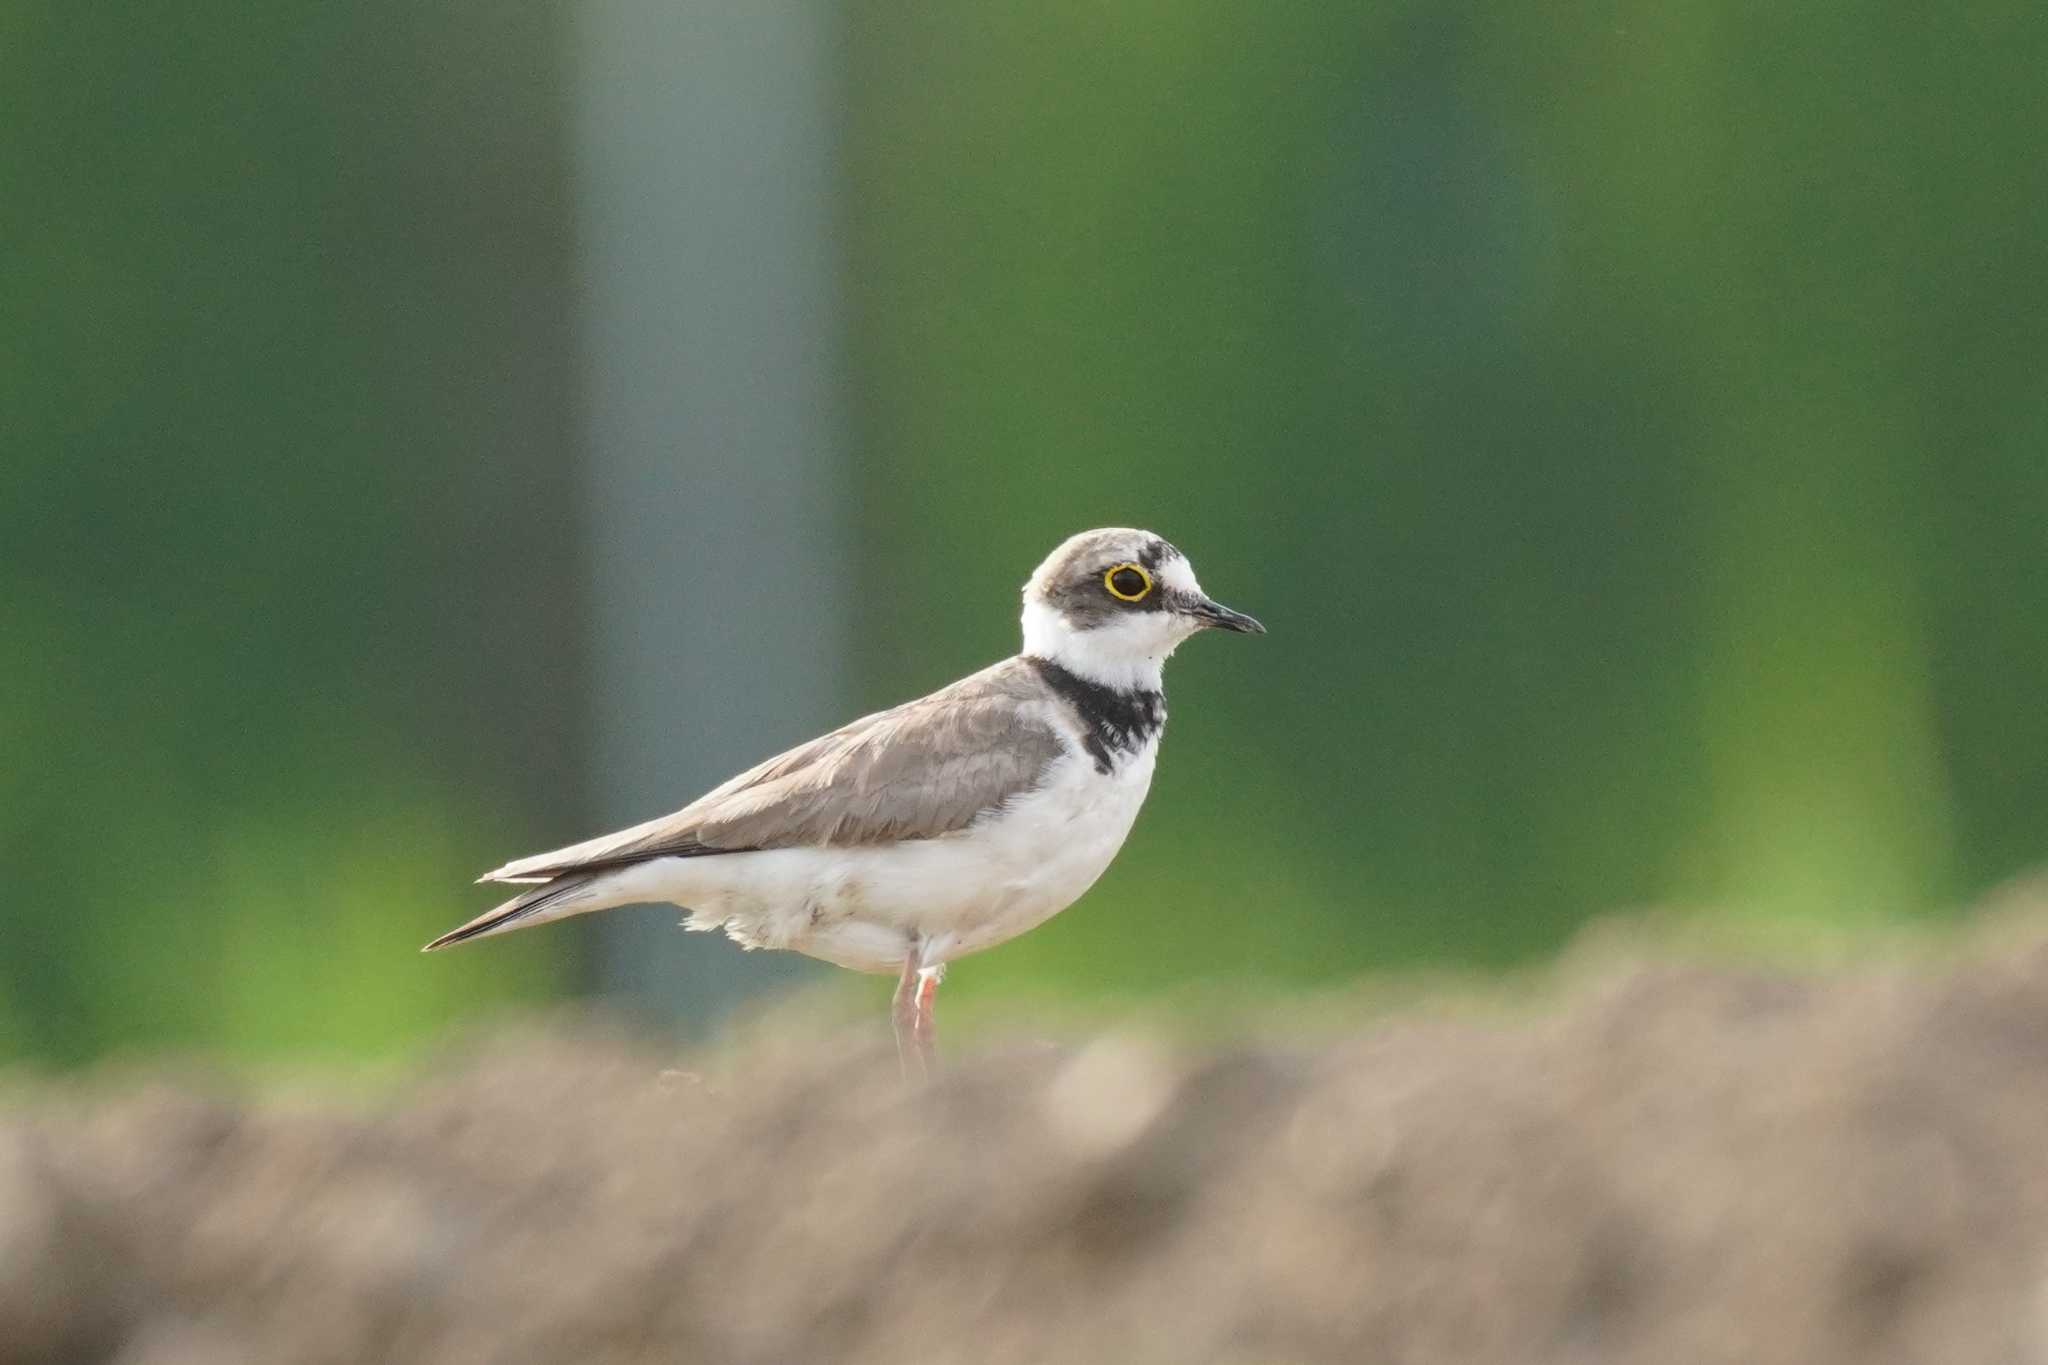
563, 896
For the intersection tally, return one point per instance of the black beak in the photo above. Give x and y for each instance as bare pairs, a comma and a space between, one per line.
1213, 613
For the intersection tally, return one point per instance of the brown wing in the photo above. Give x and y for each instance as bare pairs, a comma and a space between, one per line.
926, 768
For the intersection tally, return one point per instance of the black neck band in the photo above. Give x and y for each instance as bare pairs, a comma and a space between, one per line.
1113, 722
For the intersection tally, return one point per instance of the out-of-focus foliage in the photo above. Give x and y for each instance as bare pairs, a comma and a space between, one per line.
1629, 419
283, 337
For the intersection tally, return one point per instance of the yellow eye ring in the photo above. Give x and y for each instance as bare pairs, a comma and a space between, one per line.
1125, 592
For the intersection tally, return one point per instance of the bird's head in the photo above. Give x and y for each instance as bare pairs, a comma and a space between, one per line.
1111, 605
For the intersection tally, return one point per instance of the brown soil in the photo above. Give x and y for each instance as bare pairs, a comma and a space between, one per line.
1670, 1163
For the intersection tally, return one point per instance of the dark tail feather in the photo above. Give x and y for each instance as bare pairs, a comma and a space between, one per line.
513, 913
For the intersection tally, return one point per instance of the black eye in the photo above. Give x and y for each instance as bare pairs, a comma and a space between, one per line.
1127, 582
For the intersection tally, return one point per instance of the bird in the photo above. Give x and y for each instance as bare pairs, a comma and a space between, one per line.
935, 829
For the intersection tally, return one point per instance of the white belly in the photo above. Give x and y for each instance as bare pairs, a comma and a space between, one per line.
866, 907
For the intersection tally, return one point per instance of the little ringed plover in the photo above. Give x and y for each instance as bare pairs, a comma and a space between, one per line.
934, 829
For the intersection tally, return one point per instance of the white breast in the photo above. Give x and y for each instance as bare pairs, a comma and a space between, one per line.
864, 907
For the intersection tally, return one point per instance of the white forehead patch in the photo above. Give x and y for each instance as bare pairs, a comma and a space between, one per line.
1177, 575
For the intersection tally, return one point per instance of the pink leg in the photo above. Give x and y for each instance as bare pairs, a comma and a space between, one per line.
911, 1013
927, 1027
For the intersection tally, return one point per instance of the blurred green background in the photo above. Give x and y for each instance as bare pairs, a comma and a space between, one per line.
1629, 420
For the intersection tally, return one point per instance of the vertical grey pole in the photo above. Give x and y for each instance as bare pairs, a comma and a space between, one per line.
710, 327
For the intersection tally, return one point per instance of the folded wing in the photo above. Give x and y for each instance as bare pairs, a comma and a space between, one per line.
923, 769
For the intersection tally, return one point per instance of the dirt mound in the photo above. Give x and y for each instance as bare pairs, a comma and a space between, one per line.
1672, 1164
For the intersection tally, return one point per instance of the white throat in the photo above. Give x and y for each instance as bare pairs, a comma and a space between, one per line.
1127, 654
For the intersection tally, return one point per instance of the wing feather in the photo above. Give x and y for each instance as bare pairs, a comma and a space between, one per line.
918, 771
